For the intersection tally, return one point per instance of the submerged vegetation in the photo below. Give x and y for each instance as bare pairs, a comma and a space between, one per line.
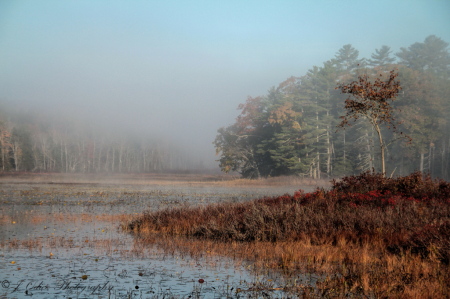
55, 232
367, 235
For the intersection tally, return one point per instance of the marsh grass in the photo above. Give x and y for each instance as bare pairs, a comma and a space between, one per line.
58, 218
324, 270
83, 217
173, 179
33, 235
367, 236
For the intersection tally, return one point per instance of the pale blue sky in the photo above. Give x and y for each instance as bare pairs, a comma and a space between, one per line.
180, 68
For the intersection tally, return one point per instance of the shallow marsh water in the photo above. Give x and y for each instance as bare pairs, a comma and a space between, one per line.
64, 241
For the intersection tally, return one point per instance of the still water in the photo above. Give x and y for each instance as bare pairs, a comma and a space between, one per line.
65, 241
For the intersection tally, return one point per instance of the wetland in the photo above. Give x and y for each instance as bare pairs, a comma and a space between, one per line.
63, 237
201, 236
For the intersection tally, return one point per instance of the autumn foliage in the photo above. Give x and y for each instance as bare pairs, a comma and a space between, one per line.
395, 228
372, 101
396, 211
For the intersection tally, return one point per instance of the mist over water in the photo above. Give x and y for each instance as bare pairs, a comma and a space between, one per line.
162, 78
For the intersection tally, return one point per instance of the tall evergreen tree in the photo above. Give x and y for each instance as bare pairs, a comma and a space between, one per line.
422, 112
432, 55
347, 58
291, 130
381, 57
237, 144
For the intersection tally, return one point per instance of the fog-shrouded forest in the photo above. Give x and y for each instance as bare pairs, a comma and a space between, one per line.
292, 130
44, 142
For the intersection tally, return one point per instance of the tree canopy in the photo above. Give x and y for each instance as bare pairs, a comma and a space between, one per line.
291, 130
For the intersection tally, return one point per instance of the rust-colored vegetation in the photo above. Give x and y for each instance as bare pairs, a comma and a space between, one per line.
367, 235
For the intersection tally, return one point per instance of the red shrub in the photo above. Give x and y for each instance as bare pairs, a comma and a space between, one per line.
402, 212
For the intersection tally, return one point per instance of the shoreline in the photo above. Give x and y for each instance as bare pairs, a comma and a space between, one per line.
210, 180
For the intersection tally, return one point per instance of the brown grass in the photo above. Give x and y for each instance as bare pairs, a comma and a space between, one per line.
64, 217
346, 268
392, 242
157, 179
85, 217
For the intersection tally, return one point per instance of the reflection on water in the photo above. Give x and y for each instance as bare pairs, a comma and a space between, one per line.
64, 242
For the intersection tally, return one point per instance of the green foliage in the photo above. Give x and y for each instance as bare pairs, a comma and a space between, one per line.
22, 138
432, 56
346, 58
381, 57
291, 130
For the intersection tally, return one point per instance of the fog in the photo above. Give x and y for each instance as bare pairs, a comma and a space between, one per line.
177, 70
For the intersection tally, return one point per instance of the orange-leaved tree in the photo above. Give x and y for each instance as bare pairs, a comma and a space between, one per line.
371, 100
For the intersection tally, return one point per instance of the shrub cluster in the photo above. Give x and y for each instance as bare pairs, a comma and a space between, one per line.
414, 185
405, 213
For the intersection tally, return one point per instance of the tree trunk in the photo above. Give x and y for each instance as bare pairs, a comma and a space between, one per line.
107, 158
120, 158
3, 154
114, 154
368, 150
429, 159
334, 157
93, 159
61, 155
421, 162
318, 165
345, 166
99, 163
401, 167
382, 151
328, 150
16, 149
443, 159
67, 160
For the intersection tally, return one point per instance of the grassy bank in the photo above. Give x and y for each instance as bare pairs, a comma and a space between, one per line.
368, 235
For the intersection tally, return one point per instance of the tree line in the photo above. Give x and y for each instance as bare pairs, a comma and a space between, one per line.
35, 142
292, 129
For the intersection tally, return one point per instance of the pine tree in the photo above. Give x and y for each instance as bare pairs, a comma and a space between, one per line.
423, 113
284, 131
346, 58
432, 55
381, 57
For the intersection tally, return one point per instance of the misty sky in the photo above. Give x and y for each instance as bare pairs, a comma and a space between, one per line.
179, 69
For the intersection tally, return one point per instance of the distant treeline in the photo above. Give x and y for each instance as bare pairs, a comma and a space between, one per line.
34, 142
292, 129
